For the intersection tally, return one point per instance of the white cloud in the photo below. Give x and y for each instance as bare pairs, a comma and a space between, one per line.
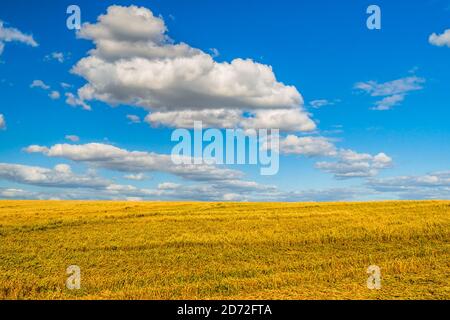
307, 146
36, 149
89, 186
351, 164
66, 86
440, 40
399, 86
11, 193
168, 186
39, 84
316, 104
133, 118
2, 122
134, 62
58, 56
434, 185
74, 101
216, 191
14, 35
332, 194
221, 118
389, 102
54, 95
59, 176
114, 158
72, 138
393, 92
284, 119
136, 177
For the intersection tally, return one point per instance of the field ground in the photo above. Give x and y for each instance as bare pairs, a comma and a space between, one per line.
156, 250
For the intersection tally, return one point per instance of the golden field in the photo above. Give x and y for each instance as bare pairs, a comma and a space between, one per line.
175, 250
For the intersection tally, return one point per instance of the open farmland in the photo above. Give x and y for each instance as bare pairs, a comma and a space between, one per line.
174, 250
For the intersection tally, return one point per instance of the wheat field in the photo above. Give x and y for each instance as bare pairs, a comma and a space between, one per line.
181, 250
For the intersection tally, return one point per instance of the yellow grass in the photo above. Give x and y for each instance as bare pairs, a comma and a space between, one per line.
156, 250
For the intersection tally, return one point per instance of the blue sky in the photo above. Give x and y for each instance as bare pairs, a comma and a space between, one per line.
371, 121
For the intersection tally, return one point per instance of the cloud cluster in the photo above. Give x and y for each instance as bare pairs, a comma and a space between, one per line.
134, 62
71, 99
14, 35
392, 92
434, 185
113, 158
61, 183
53, 94
351, 164
74, 101
58, 56
440, 40
332, 194
69, 185
60, 176
13, 193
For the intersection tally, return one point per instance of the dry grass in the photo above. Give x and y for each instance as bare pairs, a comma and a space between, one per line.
155, 250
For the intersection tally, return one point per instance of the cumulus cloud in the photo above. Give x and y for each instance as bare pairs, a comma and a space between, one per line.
348, 163
283, 119
54, 95
74, 101
221, 118
90, 186
12, 193
134, 62
39, 84
174, 191
68, 184
307, 146
233, 190
440, 40
351, 164
393, 92
434, 185
14, 35
2, 122
60, 176
114, 158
